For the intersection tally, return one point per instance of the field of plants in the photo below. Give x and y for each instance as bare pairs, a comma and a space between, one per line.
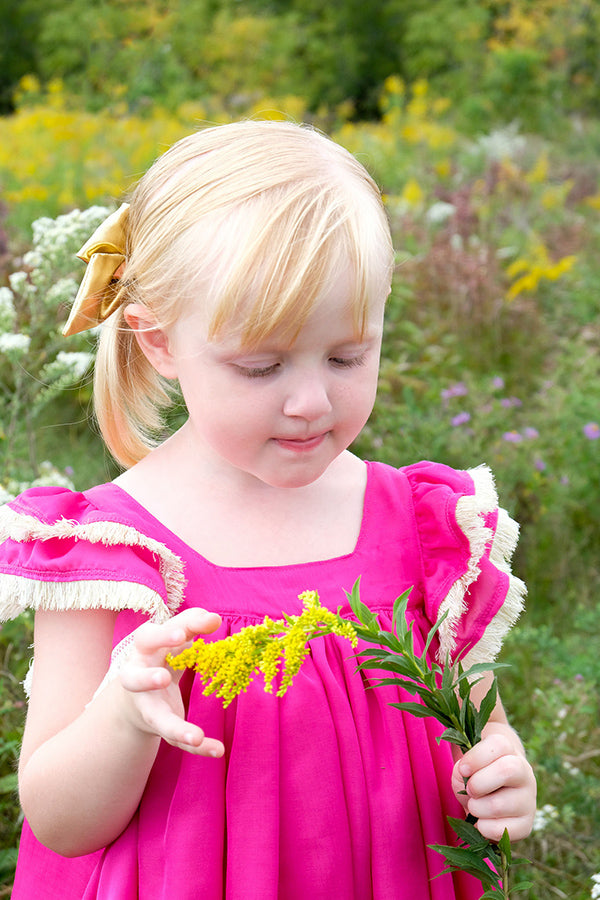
492, 347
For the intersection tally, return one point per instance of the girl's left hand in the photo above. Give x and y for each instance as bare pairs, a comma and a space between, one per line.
501, 787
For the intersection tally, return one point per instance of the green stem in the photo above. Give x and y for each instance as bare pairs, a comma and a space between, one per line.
505, 882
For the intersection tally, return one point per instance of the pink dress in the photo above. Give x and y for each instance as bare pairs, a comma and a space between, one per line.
325, 793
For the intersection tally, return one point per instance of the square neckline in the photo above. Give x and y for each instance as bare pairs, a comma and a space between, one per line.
173, 538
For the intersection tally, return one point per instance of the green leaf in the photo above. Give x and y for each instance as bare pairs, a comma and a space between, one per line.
467, 861
360, 610
399, 612
415, 709
488, 704
431, 634
454, 736
467, 833
504, 846
482, 669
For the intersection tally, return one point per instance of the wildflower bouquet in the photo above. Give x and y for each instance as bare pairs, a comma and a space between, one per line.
228, 666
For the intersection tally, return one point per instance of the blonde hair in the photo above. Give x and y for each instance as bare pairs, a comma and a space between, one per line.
251, 219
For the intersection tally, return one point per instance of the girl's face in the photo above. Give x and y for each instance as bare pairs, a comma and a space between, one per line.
279, 413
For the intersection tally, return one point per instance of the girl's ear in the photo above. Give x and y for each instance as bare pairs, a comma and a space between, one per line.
152, 340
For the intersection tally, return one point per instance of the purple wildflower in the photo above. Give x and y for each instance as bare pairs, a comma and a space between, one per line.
459, 389
508, 402
497, 383
592, 431
531, 433
461, 419
513, 437
539, 464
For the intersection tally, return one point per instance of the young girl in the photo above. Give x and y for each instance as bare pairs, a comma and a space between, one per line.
252, 267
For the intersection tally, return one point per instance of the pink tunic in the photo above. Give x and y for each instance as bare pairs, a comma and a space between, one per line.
325, 793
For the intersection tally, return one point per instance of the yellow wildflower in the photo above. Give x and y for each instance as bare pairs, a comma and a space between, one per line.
412, 193
228, 666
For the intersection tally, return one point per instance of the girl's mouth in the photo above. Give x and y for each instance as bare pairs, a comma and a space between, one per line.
300, 445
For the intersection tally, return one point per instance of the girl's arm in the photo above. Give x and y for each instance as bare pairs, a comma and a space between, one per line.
501, 788
83, 768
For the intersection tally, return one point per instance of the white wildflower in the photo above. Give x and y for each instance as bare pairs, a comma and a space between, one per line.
51, 476
596, 888
63, 291
503, 143
56, 241
14, 344
5, 496
543, 816
33, 259
76, 364
7, 309
18, 282
440, 212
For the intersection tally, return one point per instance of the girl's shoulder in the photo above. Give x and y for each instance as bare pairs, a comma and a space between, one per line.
466, 541
61, 549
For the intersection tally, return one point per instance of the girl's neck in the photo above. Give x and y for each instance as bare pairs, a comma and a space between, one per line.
245, 522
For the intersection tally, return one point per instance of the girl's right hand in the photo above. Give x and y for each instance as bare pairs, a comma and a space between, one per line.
152, 687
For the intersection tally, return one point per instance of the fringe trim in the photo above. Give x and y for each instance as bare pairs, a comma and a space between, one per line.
469, 517
54, 596
503, 547
470, 511
24, 528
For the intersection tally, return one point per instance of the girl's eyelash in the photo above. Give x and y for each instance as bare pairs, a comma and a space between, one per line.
258, 371
348, 362
341, 362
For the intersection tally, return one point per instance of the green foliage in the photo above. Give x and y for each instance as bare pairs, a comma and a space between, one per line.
524, 59
17, 47
15, 639
36, 367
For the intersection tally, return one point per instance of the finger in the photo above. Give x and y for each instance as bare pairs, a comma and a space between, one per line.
505, 772
185, 735
152, 640
488, 750
518, 827
503, 804
136, 678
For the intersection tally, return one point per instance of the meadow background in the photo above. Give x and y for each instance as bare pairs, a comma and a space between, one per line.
481, 123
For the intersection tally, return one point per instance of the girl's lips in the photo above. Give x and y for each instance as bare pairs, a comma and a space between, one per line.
300, 445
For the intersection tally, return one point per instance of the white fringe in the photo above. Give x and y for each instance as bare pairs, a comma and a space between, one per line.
91, 594
23, 593
503, 547
470, 512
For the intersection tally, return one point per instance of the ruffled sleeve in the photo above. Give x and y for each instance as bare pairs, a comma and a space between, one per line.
467, 543
59, 550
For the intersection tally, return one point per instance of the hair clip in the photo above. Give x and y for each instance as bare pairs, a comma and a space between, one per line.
104, 254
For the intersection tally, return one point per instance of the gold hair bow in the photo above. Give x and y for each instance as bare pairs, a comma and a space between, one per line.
104, 253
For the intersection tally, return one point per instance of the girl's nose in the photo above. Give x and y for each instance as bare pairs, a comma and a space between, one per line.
307, 399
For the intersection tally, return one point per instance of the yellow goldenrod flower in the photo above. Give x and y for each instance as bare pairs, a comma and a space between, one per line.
412, 193
228, 666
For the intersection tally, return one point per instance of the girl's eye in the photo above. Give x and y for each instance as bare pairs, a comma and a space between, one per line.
258, 371
347, 362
